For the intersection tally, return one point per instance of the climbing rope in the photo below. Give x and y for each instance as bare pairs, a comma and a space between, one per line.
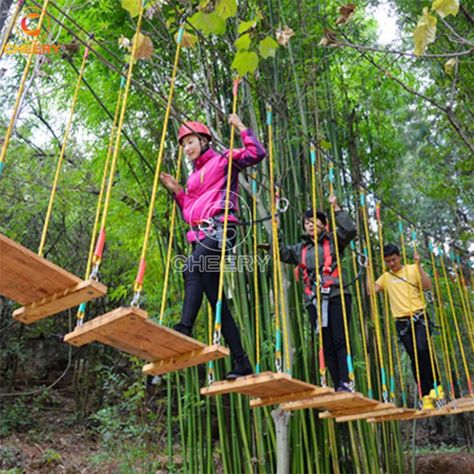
62, 152
218, 320
373, 298
255, 277
138, 286
82, 307
313, 151
350, 366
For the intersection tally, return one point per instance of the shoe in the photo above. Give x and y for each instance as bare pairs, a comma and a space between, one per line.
241, 368
441, 395
345, 387
183, 329
427, 403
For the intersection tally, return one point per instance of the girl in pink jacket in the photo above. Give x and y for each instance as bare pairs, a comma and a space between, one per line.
202, 206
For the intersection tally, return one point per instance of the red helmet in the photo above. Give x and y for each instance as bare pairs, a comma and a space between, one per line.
193, 128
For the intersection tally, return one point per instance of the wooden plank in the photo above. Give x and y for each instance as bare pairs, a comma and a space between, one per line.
355, 410
184, 361
337, 401
266, 384
64, 299
368, 414
298, 395
130, 330
404, 414
27, 277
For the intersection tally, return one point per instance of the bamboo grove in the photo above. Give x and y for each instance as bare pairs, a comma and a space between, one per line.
394, 160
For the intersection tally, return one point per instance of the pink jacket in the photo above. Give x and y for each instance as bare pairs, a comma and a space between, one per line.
206, 185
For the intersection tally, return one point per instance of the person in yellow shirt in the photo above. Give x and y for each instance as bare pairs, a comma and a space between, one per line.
402, 284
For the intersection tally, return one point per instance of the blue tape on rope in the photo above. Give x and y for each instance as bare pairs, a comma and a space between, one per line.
384, 377
257, 369
211, 364
254, 187
365, 252
331, 174
82, 308
451, 256
362, 199
313, 156
269, 117
352, 245
400, 226
350, 367
278, 341
218, 312
180, 35
430, 247
404, 399
122, 82
458, 259
2, 165
413, 234
392, 384
370, 393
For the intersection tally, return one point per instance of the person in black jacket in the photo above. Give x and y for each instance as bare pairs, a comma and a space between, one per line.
302, 254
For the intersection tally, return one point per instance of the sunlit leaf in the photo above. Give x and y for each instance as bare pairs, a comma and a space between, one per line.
226, 8
445, 7
243, 42
245, 62
425, 32
246, 25
144, 46
268, 47
345, 13
208, 23
132, 6
283, 35
449, 66
189, 40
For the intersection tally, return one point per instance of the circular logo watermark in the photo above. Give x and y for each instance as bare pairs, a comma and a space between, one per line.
207, 212
28, 23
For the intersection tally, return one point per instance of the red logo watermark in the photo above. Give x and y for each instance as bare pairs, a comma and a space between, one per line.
29, 30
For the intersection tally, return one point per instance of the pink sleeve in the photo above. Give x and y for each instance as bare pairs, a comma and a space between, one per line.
252, 153
180, 198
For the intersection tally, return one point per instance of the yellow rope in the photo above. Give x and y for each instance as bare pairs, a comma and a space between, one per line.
388, 316
62, 152
373, 298
217, 323
170, 241
464, 304
277, 270
102, 186
341, 283
360, 310
141, 270
433, 360
456, 325
10, 27
441, 318
16, 107
410, 313
255, 275
314, 153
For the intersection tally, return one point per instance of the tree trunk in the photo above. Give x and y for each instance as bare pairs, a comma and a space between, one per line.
282, 423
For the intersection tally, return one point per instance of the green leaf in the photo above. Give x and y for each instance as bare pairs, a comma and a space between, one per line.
445, 7
268, 47
208, 23
243, 42
245, 25
226, 8
132, 6
425, 32
245, 62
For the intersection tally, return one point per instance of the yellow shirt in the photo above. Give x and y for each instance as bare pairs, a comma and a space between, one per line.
404, 298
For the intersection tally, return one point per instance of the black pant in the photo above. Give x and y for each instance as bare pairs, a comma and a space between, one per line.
405, 335
334, 339
202, 276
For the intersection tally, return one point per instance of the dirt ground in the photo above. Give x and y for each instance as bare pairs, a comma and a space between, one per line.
445, 463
